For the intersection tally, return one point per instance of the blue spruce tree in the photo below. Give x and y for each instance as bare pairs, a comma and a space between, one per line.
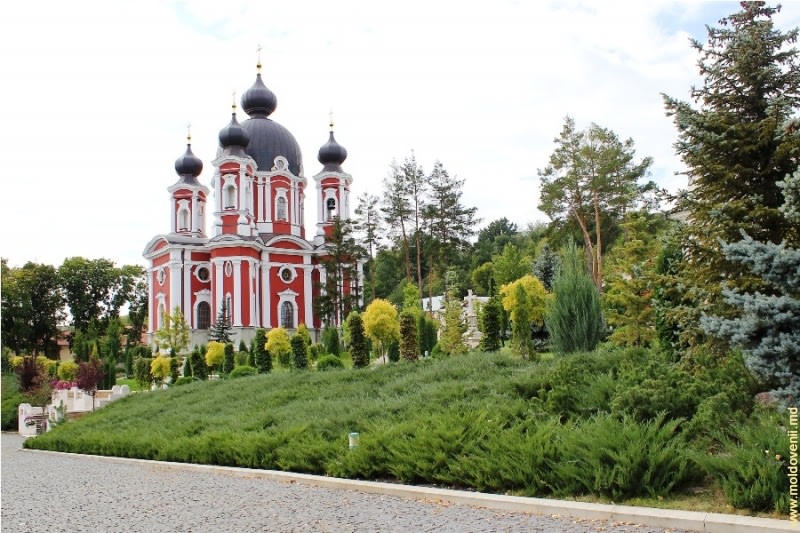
768, 327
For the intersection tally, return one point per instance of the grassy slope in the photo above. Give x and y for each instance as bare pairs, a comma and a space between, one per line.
468, 422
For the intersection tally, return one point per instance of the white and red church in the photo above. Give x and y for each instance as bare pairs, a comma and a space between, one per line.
256, 257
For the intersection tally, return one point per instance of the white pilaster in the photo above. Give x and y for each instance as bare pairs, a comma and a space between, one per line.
309, 314
151, 313
265, 292
173, 214
174, 279
237, 292
218, 296
187, 289
195, 228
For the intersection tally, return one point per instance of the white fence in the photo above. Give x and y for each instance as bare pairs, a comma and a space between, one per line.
32, 421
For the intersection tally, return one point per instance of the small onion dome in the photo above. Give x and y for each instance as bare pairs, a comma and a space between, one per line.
258, 101
234, 134
188, 165
332, 154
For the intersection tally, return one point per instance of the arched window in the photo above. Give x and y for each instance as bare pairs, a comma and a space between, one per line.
281, 210
230, 196
287, 315
162, 310
203, 315
330, 204
183, 220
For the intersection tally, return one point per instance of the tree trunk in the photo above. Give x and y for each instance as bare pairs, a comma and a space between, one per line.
598, 250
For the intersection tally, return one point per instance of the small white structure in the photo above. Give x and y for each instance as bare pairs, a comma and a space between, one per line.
32, 421
470, 308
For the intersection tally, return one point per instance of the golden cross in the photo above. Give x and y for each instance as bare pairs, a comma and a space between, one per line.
258, 65
189, 132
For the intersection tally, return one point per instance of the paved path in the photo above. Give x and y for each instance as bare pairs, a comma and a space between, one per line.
52, 493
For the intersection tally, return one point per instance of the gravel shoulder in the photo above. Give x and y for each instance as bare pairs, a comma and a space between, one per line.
46, 492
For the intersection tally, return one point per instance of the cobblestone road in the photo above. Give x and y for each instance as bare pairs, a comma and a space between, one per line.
67, 493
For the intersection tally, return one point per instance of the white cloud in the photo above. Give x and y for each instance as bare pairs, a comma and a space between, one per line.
96, 96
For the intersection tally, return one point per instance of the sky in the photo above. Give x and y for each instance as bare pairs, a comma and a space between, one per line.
96, 96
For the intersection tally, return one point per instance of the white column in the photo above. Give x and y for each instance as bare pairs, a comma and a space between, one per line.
237, 292
151, 304
342, 207
256, 320
195, 214
175, 281
309, 315
251, 293
217, 296
187, 290
172, 213
266, 309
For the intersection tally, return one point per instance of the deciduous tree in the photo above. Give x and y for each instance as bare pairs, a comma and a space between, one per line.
381, 324
174, 334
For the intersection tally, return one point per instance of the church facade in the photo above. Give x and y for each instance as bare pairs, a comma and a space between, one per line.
256, 260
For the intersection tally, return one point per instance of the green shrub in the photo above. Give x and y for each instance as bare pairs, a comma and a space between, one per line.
241, 358
409, 348
299, 351
227, 359
650, 383
242, 371
142, 371
315, 351
11, 398
183, 380
574, 317
198, 365
263, 358
751, 463
330, 341
622, 458
329, 362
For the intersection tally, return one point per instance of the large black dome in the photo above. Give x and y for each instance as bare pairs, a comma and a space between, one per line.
268, 140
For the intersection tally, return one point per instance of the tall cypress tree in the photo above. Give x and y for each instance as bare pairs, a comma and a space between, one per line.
730, 140
574, 315
263, 357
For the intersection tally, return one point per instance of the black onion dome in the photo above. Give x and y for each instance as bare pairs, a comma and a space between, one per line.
268, 140
234, 134
332, 154
258, 100
188, 166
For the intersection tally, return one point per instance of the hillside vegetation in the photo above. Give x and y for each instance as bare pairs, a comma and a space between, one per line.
605, 424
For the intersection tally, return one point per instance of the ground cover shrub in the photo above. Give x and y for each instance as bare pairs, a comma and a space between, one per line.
243, 371
573, 386
329, 362
751, 462
651, 382
620, 458
474, 422
185, 380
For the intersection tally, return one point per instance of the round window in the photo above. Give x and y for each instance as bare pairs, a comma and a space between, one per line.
203, 274
228, 268
286, 274
161, 276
